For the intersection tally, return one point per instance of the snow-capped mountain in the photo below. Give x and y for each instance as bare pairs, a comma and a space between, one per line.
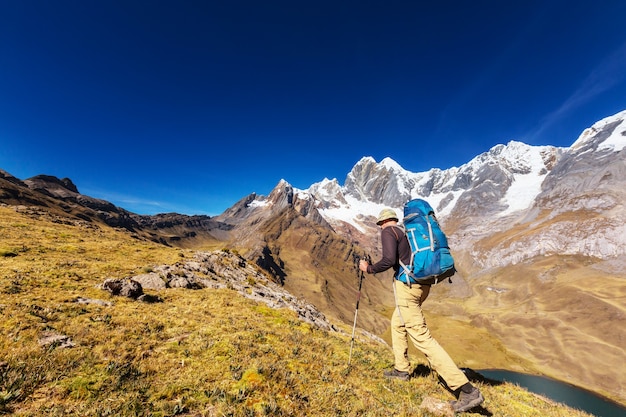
508, 185
501, 181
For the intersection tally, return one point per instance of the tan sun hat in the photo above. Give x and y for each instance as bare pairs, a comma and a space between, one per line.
386, 214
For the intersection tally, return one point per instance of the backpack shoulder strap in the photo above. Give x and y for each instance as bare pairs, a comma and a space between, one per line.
404, 269
395, 232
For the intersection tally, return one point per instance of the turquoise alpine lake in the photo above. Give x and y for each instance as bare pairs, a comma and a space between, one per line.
558, 391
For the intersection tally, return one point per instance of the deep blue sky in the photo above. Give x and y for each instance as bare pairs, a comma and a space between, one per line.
188, 106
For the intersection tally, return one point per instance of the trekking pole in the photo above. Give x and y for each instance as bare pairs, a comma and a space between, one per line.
356, 311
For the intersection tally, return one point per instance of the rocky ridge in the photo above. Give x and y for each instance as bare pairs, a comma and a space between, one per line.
224, 269
61, 201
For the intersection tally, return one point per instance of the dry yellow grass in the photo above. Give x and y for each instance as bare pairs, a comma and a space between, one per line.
196, 353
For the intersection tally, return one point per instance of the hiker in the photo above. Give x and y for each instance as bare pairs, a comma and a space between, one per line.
408, 320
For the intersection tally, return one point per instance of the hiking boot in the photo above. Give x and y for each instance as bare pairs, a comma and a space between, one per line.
397, 374
467, 401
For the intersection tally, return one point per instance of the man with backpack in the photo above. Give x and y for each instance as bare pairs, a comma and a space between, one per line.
408, 319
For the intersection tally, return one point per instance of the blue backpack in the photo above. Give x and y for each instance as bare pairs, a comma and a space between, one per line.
431, 261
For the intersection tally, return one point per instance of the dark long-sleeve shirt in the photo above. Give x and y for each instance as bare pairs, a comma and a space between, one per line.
395, 247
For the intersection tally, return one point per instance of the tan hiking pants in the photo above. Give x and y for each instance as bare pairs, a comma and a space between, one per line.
408, 322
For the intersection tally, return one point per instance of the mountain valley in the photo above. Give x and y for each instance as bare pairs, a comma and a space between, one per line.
538, 235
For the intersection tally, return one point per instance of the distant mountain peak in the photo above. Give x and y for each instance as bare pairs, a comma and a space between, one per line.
606, 134
62, 188
390, 164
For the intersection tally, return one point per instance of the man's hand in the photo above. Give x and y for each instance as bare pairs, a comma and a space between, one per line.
363, 265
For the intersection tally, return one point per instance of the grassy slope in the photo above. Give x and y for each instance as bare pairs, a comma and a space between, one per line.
201, 353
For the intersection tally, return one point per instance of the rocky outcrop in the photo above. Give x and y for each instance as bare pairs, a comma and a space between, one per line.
125, 288
218, 269
50, 340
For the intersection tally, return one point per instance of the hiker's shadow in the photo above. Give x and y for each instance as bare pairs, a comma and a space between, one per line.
480, 410
420, 371
474, 376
